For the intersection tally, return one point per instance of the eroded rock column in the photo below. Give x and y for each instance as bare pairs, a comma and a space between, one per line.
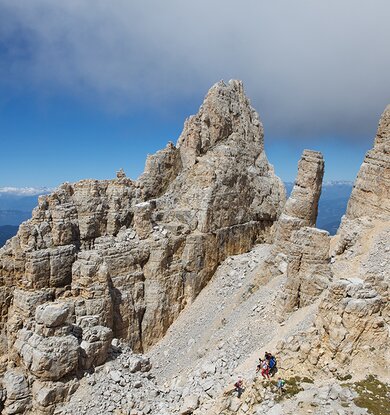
302, 206
300, 250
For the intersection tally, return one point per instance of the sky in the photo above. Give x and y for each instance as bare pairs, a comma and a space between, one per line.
88, 87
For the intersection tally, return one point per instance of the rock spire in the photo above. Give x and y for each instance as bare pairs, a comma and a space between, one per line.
299, 247
302, 206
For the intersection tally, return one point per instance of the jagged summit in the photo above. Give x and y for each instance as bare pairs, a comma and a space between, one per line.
226, 114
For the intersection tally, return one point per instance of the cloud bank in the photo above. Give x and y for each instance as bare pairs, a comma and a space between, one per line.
25, 191
311, 68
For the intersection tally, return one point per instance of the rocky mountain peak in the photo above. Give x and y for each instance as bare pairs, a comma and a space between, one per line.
225, 116
92, 282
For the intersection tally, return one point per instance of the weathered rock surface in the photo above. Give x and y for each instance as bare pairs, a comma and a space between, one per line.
17, 392
350, 333
299, 211
370, 195
122, 258
308, 271
363, 246
104, 267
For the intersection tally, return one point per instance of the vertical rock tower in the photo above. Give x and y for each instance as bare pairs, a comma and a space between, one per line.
302, 206
299, 247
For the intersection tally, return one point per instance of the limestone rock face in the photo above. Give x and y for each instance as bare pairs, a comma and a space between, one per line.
363, 246
18, 393
370, 195
160, 170
351, 316
350, 333
48, 358
308, 272
121, 258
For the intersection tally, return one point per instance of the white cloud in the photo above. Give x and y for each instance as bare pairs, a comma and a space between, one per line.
310, 68
25, 191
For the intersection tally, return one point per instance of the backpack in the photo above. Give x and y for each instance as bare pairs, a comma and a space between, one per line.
272, 362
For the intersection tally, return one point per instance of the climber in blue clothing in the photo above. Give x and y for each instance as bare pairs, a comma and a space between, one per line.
272, 365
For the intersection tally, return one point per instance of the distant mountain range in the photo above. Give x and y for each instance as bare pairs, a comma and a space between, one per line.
16, 205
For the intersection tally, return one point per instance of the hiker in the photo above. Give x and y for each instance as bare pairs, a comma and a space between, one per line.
258, 367
239, 387
280, 385
272, 365
265, 369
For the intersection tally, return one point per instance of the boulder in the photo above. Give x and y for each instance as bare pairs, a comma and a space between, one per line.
52, 314
94, 346
48, 358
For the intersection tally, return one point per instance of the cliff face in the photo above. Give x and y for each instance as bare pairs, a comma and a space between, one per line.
121, 258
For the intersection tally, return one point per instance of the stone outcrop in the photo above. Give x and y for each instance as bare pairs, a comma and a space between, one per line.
299, 211
18, 398
121, 258
350, 333
308, 270
370, 195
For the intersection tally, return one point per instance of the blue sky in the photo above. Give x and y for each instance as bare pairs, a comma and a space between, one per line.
85, 91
